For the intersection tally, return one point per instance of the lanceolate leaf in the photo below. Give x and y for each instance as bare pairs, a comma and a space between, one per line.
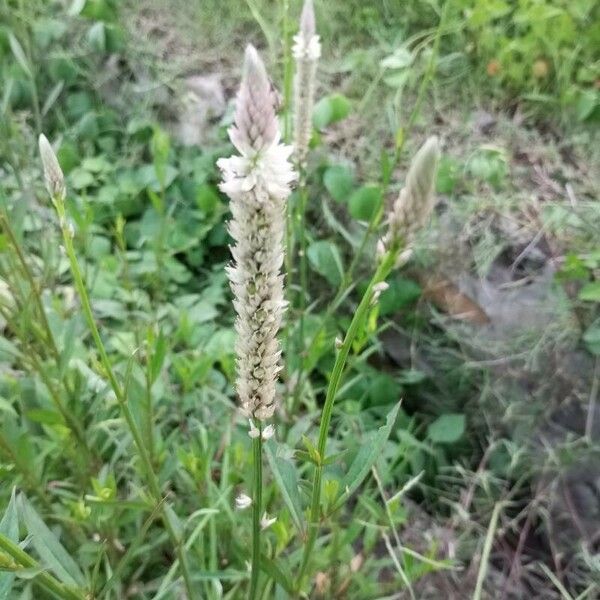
366, 457
52, 553
286, 477
9, 526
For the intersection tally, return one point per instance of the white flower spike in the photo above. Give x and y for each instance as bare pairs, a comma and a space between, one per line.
416, 200
306, 51
257, 181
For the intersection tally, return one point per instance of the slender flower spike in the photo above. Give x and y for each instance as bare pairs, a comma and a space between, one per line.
55, 180
243, 501
306, 51
257, 181
416, 201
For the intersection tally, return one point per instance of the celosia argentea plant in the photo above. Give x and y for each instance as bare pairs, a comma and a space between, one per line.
258, 181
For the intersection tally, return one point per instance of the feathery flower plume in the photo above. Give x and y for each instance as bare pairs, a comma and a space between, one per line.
55, 180
306, 51
416, 200
258, 182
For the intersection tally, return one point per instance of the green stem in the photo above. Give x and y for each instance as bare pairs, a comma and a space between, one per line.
287, 74
151, 476
149, 411
301, 234
256, 513
381, 273
42, 578
72, 420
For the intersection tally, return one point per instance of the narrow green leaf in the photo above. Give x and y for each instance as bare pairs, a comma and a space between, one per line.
274, 570
365, 458
52, 553
286, 477
18, 53
9, 526
158, 357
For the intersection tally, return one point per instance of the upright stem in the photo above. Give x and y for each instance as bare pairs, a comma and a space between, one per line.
287, 134
151, 476
256, 513
70, 418
149, 412
382, 272
300, 350
22, 560
287, 74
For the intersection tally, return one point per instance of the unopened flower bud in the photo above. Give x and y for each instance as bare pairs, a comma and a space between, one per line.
267, 521
55, 180
243, 501
268, 432
253, 431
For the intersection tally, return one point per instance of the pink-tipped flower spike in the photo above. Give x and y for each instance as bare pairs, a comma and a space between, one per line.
306, 51
257, 181
416, 200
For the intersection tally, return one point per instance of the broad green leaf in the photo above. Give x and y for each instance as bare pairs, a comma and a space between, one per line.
52, 553
9, 526
590, 292
369, 452
365, 202
325, 258
447, 428
286, 477
339, 181
207, 199
330, 109
401, 293
591, 338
